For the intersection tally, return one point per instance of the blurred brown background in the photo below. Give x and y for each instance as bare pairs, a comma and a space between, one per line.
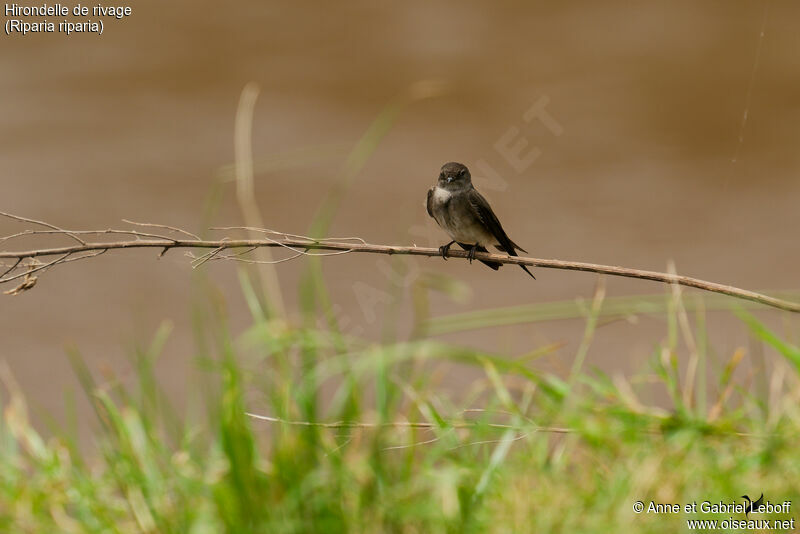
138, 124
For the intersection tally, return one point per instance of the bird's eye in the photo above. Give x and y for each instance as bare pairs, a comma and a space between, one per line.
441, 175
462, 173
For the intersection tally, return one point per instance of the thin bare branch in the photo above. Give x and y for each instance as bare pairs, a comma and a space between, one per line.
85, 256
42, 223
164, 226
402, 424
13, 266
85, 232
285, 234
205, 257
37, 268
452, 425
236, 257
301, 245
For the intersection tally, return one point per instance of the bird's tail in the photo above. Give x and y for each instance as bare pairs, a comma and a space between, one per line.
527, 271
512, 252
516, 247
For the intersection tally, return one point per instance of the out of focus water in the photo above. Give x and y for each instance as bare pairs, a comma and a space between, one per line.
647, 99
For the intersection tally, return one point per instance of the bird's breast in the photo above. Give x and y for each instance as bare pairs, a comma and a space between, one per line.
458, 218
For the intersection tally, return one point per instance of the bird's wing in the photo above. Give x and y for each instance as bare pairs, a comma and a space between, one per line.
489, 220
430, 198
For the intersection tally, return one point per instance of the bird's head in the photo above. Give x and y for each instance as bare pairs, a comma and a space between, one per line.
454, 177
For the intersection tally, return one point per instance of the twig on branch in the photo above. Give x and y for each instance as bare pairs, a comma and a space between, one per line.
164, 226
301, 245
41, 223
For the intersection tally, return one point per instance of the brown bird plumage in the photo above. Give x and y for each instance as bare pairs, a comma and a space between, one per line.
466, 216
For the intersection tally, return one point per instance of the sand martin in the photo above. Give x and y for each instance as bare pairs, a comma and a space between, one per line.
466, 216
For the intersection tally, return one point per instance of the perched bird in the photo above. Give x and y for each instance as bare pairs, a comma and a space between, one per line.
752, 505
466, 216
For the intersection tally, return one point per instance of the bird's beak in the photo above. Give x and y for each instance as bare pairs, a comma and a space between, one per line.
449, 179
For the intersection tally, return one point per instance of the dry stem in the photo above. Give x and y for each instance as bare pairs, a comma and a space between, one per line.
301, 245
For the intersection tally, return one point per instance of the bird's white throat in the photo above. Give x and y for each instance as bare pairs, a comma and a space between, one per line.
441, 195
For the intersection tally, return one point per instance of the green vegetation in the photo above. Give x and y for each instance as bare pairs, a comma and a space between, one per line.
361, 436
364, 439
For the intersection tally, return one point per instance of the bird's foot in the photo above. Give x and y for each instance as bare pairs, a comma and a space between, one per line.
471, 254
444, 250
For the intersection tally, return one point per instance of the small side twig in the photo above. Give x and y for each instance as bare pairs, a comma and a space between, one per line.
42, 223
164, 226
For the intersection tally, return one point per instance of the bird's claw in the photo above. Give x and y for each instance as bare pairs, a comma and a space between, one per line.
471, 254
444, 250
